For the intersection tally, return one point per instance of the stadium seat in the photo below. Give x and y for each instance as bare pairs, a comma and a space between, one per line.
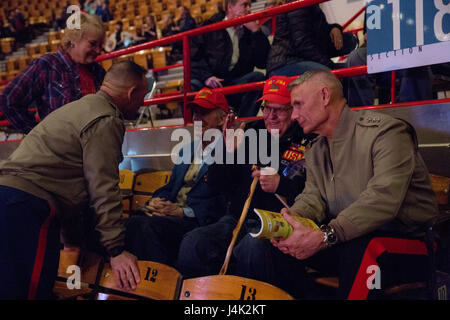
158, 282
226, 287
147, 182
160, 56
53, 35
7, 45
89, 266
54, 45
106, 64
126, 182
141, 58
12, 64
33, 48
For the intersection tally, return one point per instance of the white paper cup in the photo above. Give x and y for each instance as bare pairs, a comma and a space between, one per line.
268, 171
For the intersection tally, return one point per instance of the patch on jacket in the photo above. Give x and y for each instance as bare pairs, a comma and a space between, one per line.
369, 121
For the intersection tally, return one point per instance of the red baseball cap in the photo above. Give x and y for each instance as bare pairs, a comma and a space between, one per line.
276, 90
210, 99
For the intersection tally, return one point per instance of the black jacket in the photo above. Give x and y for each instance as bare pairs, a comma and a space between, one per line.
301, 35
235, 180
211, 53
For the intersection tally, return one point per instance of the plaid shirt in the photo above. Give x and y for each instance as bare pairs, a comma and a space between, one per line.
48, 83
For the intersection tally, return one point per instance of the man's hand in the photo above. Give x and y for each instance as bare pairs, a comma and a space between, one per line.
156, 205
172, 209
126, 271
161, 207
214, 82
336, 38
303, 243
269, 183
232, 143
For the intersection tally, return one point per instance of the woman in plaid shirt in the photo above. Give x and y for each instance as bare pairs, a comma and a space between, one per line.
56, 79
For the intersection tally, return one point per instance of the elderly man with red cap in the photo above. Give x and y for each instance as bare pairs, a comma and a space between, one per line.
204, 248
188, 201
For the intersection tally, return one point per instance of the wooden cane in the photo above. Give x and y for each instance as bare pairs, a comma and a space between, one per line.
236, 230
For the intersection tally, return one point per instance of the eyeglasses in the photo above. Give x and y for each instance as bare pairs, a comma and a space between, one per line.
277, 111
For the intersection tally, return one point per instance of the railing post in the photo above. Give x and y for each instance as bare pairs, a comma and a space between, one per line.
187, 78
393, 79
274, 25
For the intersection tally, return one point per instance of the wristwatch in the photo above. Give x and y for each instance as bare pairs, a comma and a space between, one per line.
114, 252
329, 236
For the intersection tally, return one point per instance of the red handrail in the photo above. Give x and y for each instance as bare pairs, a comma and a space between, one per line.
176, 96
213, 27
167, 67
403, 104
185, 36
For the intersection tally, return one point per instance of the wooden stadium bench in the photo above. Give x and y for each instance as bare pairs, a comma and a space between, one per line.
158, 282
227, 287
89, 264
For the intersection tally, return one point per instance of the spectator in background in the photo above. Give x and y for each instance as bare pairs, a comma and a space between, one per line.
103, 11
90, 6
184, 23
167, 25
18, 25
149, 30
304, 40
120, 39
228, 57
58, 78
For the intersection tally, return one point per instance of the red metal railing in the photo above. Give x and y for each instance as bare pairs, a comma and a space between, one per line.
353, 18
260, 15
185, 36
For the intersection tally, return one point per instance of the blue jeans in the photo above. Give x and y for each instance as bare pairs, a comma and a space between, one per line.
244, 103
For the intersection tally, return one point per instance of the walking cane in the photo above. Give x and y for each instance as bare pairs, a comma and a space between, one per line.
238, 227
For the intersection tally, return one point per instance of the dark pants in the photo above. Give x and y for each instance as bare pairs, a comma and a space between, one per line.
245, 104
203, 250
29, 246
157, 238
260, 260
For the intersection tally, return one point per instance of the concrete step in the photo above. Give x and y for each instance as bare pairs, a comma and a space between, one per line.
170, 77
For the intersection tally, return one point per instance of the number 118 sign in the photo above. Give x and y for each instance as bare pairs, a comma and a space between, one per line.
407, 33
